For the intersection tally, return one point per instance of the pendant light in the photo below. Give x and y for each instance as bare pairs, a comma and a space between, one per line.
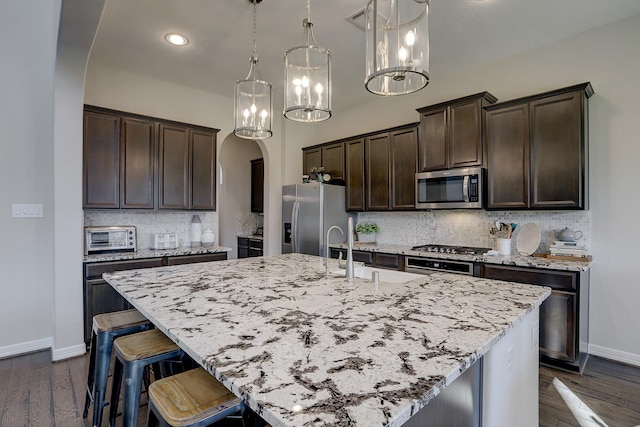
307, 79
253, 98
397, 57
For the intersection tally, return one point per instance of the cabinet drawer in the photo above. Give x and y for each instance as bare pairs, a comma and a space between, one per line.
557, 280
359, 256
255, 244
243, 241
190, 259
391, 261
93, 270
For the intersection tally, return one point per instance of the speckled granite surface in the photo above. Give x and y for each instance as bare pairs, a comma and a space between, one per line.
308, 349
251, 236
155, 253
514, 260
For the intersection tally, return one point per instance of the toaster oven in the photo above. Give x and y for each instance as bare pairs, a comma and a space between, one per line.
109, 239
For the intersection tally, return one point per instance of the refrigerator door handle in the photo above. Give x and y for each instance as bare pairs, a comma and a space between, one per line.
294, 226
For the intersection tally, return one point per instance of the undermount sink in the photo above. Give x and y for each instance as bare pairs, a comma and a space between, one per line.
388, 276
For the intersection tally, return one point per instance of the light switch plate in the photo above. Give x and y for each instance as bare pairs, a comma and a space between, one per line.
20, 210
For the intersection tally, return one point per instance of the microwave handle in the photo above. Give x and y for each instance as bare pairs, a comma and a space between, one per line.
465, 188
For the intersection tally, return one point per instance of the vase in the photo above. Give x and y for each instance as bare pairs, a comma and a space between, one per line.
367, 237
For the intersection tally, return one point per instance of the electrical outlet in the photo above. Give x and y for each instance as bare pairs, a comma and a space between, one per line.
509, 364
19, 210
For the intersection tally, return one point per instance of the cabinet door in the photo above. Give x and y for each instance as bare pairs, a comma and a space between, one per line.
100, 298
333, 160
354, 160
432, 150
558, 326
243, 247
101, 161
508, 158
203, 170
404, 145
311, 158
173, 167
557, 152
377, 174
137, 163
465, 134
257, 185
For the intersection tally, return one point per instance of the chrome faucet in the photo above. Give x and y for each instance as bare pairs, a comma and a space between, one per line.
349, 272
326, 260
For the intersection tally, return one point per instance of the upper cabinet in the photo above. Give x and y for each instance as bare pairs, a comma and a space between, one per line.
329, 156
538, 151
451, 133
138, 162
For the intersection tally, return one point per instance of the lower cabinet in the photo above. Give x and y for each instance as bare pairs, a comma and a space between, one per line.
100, 297
374, 259
564, 333
248, 247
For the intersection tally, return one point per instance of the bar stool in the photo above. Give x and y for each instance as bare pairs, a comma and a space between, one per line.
190, 399
106, 328
133, 353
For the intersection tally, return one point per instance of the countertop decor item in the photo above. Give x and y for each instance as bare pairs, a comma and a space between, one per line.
208, 238
528, 239
196, 230
253, 98
567, 235
367, 231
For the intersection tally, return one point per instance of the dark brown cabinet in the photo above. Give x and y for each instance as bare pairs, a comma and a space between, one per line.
375, 259
100, 297
330, 156
390, 167
248, 247
186, 168
137, 162
451, 133
257, 185
564, 315
311, 158
354, 176
101, 160
538, 151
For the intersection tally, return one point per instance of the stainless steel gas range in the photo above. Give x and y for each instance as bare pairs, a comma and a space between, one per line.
423, 265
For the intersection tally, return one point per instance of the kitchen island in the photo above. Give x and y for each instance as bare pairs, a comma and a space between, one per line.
306, 348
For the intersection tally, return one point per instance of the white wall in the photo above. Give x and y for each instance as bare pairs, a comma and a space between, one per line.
26, 172
608, 58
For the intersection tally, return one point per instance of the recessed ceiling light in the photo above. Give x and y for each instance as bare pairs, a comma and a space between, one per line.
176, 39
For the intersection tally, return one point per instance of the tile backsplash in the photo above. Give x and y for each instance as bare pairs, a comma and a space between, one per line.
149, 222
471, 227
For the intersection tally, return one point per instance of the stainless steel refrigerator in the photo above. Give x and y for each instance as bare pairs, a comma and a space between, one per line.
308, 211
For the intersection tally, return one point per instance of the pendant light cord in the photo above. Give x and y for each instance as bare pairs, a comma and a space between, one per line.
255, 45
309, 10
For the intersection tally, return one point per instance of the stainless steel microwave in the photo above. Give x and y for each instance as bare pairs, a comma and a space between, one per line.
109, 239
450, 189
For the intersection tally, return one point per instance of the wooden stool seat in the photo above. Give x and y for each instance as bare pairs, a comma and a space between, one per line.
113, 321
133, 353
106, 328
144, 345
191, 397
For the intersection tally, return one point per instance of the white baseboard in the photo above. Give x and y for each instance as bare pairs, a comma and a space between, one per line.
42, 344
25, 347
617, 355
67, 352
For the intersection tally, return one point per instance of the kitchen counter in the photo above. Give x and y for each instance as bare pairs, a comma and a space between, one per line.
305, 348
155, 253
513, 260
251, 236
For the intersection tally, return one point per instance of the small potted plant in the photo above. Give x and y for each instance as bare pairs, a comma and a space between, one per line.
367, 231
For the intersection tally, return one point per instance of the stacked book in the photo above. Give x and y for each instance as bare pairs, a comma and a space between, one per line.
568, 249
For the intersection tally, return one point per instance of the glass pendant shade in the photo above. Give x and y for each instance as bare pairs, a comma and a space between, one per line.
253, 105
307, 80
397, 56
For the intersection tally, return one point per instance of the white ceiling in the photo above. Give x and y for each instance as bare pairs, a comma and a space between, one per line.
463, 34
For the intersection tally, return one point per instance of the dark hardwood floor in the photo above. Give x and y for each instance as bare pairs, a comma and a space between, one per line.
35, 392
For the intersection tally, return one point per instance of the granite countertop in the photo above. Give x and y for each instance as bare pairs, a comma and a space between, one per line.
155, 253
305, 348
513, 260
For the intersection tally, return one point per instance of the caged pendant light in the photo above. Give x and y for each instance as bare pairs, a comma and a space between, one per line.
397, 56
253, 99
307, 79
